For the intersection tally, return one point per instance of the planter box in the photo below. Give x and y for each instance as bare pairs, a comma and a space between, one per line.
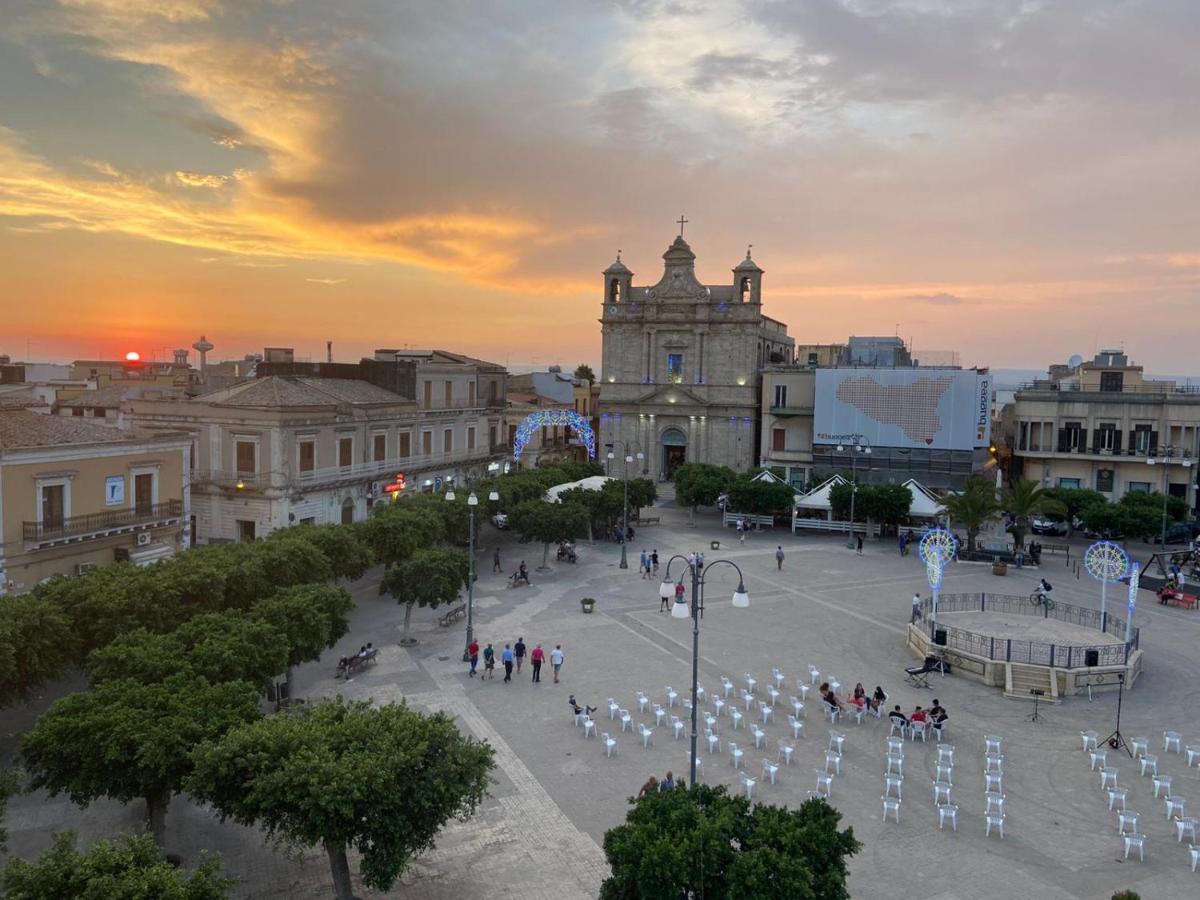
1000, 568
714, 545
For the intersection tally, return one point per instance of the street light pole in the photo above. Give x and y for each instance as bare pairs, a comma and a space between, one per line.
1166, 461
625, 504
472, 502
861, 445
680, 611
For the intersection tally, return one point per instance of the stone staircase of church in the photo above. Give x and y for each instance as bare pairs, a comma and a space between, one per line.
666, 494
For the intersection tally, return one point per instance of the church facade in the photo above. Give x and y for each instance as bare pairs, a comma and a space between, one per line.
681, 365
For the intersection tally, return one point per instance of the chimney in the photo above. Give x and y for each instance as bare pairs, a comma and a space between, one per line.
181, 357
329, 351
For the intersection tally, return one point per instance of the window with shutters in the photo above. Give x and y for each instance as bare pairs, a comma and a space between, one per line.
345, 452
1113, 382
1023, 436
1106, 437
53, 504
778, 439
449, 394
379, 447
405, 444
1072, 437
1139, 440
470, 437
427, 443
447, 440
470, 393
781, 395
308, 455
426, 394
246, 457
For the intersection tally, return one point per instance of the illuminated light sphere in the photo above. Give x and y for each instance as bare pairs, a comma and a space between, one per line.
937, 542
133, 356
1106, 561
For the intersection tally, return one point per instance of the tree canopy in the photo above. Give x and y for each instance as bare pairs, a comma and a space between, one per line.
311, 617
383, 780
397, 530
127, 868
701, 484
762, 498
1025, 499
344, 546
544, 522
427, 578
36, 645
974, 507
584, 372
10, 786
701, 842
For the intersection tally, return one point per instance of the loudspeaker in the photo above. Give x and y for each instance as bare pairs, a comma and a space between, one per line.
1091, 658
939, 637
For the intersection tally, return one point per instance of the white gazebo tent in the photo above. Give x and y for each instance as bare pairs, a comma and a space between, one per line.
925, 504
591, 483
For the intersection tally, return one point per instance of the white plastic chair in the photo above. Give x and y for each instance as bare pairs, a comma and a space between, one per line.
994, 821
834, 685
718, 705
1185, 825
726, 685
677, 726
672, 696
993, 764
770, 770
714, 742
835, 759
748, 699
895, 761
751, 681
710, 721
646, 735
1139, 746
766, 710
701, 694
735, 755
831, 712
797, 706
613, 708
994, 803
942, 793
898, 727
1108, 777
758, 734
895, 745
1174, 806
1097, 758
1193, 754
824, 784
948, 811
1172, 740
992, 743
837, 741
778, 677
1089, 739
699, 763
993, 781
946, 754
945, 774
1117, 795
785, 750
1136, 842
1149, 762
814, 674
917, 730
893, 782
610, 745
1162, 782
579, 717
1127, 817
773, 693
1195, 851
642, 701
803, 689
891, 805
659, 714
797, 727
736, 715
748, 784
626, 720
589, 727
858, 712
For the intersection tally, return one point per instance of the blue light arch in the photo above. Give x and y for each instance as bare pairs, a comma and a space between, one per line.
547, 417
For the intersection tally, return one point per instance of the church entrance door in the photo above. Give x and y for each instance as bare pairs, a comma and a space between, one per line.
674, 452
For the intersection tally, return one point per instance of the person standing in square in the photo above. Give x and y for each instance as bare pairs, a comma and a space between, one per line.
556, 660
536, 658
779, 558
473, 654
519, 652
506, 657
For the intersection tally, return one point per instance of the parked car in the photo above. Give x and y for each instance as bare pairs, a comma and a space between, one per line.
500, 520
1048, 526
1179, 533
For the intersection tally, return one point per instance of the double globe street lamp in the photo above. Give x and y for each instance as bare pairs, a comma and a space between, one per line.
1167, 453
629, 457
472, 502
679, 610
861, 445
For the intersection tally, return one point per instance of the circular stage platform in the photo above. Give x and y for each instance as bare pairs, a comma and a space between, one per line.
1005, 626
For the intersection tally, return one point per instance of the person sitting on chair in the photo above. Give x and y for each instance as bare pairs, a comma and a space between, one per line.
878, 699
860, 696
831, 698
937, 713
898, 717
918, 715
580, 709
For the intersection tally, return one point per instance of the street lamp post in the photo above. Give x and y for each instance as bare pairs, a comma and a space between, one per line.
861, 445
1166, 460
472, 502
625, 451
679, 610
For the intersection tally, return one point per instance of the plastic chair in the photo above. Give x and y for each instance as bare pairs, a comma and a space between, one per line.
1138, 746
736, 715
891, 805
1127, 817
824, 784
1185, 825
613, 708
735, 755
646, 735
770, 770
893, 782
945, 774
785, 750
993, 781
766, 710
831, 712
1193, 754
834, 685
726, 685
626, 720
895, 745
759, 735
589, 727
797, 706
1108, 777
1174, 806
917, 730
1117, 795
1089, 739
858, 712
610, 745
814, 674
579, 717
672, 696
748, 699
773, 693
642, 701
659, 714
718, 705
678, 727
994, 821
1138, 842
714, 742
941, 792
710, 721
1098, 758
895, 761
994, 801
1172, 739
946, 754
1195, 851
701, 694
751, 681
897, 727
948, 811
699, 763
803, 689
993, 764
1149, 762
778, 677
1161, 782
992, 742
837, 741
797, 727
835, 759
748, 784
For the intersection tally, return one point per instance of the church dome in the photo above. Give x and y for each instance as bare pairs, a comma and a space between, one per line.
678, 250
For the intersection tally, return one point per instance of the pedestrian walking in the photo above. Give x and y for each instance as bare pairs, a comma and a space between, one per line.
858, 543
903, 544
654, 560
506, 657
741, 530
519, 650
556, 660
489, 661
664, 603
644, 567
916, 610
779, 558
536, 658
496, 561
473, 654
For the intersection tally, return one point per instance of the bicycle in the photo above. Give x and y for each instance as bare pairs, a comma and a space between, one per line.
1040, 598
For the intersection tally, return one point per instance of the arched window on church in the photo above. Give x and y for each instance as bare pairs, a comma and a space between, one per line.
746, 289
614, 291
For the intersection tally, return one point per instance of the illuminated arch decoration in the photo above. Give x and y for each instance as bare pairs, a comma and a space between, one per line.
547, 417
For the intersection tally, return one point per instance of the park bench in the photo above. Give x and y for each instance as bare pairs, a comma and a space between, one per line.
452, 615
649, 520
1177, 598
1057, 548
356, 662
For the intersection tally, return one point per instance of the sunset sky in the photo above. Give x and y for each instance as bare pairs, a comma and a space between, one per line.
1017, 180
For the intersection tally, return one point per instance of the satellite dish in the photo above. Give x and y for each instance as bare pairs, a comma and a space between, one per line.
1075, 361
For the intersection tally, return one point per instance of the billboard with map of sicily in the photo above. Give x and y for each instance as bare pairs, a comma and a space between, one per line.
934, 409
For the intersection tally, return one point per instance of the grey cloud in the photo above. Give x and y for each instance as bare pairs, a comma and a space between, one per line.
714, 70
940, 299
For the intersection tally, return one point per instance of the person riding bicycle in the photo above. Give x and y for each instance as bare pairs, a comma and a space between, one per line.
1044, 587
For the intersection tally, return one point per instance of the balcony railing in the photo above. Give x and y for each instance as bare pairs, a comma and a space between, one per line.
1151, 388
791, 410
93, 523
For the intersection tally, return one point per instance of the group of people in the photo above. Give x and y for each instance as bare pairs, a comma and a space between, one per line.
366, 651
649, 564
933, 717
654, 786
513, 656
859, 700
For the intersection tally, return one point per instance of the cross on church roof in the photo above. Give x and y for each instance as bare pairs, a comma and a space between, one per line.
681, 221
749, 247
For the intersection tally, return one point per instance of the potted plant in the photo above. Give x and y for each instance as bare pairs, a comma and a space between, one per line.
998, 567
587, 604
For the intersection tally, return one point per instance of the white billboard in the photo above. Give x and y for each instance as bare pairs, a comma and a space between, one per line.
935, 409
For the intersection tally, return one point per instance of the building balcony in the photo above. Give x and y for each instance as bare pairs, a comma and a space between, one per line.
102, 524
1091, 454
790, 455
791, 410
1147, 392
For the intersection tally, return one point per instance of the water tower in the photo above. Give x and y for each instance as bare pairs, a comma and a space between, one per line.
202, 347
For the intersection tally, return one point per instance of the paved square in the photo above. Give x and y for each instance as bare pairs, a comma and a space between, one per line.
556, 792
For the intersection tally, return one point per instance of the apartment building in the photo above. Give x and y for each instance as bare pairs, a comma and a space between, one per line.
788, 400
76, 494
1103, 425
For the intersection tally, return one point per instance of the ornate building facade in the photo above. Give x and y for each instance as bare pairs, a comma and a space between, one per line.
681, 364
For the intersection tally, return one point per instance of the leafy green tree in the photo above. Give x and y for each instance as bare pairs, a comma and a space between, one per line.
594, 503
539, 520
395, 531
10, 786
839, 500
701, 842
381, 779
583, 372
344, 547
701, 484
1025, 499
36, 645
973, 508
1140, 515
312, 618
217, 647
642, 492
127, 867
1075, 502
886, 503
761, 498
427, 578
128, 741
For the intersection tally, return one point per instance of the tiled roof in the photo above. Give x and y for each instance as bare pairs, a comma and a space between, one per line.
19, 396
278, 391
21, 428
111, 395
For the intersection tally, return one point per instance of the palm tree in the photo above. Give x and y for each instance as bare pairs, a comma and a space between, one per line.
973, 508
1024, 499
